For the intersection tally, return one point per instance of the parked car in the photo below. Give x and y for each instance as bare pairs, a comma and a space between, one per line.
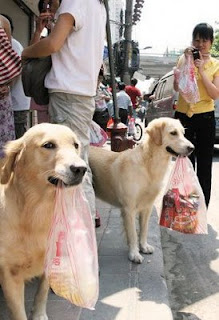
164, 100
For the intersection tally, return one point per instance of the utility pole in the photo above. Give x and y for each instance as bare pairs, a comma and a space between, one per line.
128, 41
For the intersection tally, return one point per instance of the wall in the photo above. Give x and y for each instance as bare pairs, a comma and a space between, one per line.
20, 20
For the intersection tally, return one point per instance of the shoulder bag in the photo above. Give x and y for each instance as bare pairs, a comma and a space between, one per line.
34, 72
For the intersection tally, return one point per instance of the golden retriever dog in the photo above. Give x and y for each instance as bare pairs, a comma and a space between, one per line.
132, 179
34, 164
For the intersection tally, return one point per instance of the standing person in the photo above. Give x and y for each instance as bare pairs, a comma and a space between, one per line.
101, 114
7, 131
76, 45
124, 103
41, 24
135, 95
199, 118
20, 102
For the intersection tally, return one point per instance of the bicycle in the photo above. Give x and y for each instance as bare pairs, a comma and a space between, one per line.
135, 129
138, 132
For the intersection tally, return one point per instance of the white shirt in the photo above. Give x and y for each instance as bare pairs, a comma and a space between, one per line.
19, 100
123, 100
75, 67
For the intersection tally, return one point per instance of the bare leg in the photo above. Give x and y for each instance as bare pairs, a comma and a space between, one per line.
39, 307
132, 237
144, 220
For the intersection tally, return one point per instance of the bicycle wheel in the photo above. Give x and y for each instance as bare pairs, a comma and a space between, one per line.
138, 132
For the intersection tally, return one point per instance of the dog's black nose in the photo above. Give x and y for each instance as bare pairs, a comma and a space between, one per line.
190, 149
78, 171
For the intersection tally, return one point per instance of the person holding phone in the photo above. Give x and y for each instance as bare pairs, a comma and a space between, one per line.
199, 119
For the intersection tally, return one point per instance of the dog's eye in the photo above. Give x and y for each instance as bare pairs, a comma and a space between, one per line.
174, 133
49, 145
76, 145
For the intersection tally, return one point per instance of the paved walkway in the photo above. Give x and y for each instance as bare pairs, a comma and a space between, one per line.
127, 291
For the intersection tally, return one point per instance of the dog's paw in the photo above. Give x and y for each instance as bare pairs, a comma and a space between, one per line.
135, 257
148, 249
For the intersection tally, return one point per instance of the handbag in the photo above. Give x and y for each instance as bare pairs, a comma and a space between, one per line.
33, 74
10, 62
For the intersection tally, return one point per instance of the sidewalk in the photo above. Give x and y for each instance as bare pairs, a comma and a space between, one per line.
127, 291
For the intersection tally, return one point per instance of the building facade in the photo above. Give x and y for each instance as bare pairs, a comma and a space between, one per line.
22, 14
115, 7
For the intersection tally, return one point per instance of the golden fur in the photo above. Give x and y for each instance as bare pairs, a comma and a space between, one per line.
132, 179
46, 151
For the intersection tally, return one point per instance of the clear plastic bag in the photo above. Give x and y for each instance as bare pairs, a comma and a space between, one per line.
71, 263
183, 207
187, 83
97, 135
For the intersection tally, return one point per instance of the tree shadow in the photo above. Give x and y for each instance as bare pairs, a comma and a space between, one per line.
189, 276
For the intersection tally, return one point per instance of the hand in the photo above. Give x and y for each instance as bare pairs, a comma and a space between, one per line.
44, 21
188, 51
199, 63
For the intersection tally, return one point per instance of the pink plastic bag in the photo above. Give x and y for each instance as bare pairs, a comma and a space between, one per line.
71, 263
184, 208
131, 125
97, 135
188, 87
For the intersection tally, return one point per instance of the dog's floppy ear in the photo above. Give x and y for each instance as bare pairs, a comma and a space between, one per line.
155, 132
12, 149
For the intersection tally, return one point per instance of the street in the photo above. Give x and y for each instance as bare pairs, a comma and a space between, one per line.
191, 265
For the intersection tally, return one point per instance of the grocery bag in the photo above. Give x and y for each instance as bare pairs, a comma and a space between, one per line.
183, 207
97, 135
187, 84
71, 263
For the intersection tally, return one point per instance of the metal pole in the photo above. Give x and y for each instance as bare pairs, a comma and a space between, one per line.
128, 40
111, 65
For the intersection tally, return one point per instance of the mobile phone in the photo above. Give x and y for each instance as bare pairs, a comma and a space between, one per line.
196, 54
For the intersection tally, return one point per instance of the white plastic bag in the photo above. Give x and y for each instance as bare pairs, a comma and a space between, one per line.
71, 263
97, 135
184, 208
188, 87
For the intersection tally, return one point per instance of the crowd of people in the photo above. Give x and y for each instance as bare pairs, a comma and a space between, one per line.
78, 95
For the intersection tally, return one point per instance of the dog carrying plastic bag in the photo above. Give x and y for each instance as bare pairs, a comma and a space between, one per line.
71, 263
183, 207
187, 82
97, 135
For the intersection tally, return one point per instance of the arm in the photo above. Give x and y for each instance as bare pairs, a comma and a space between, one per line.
211, 87
6, 26
41, 23
54, 41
